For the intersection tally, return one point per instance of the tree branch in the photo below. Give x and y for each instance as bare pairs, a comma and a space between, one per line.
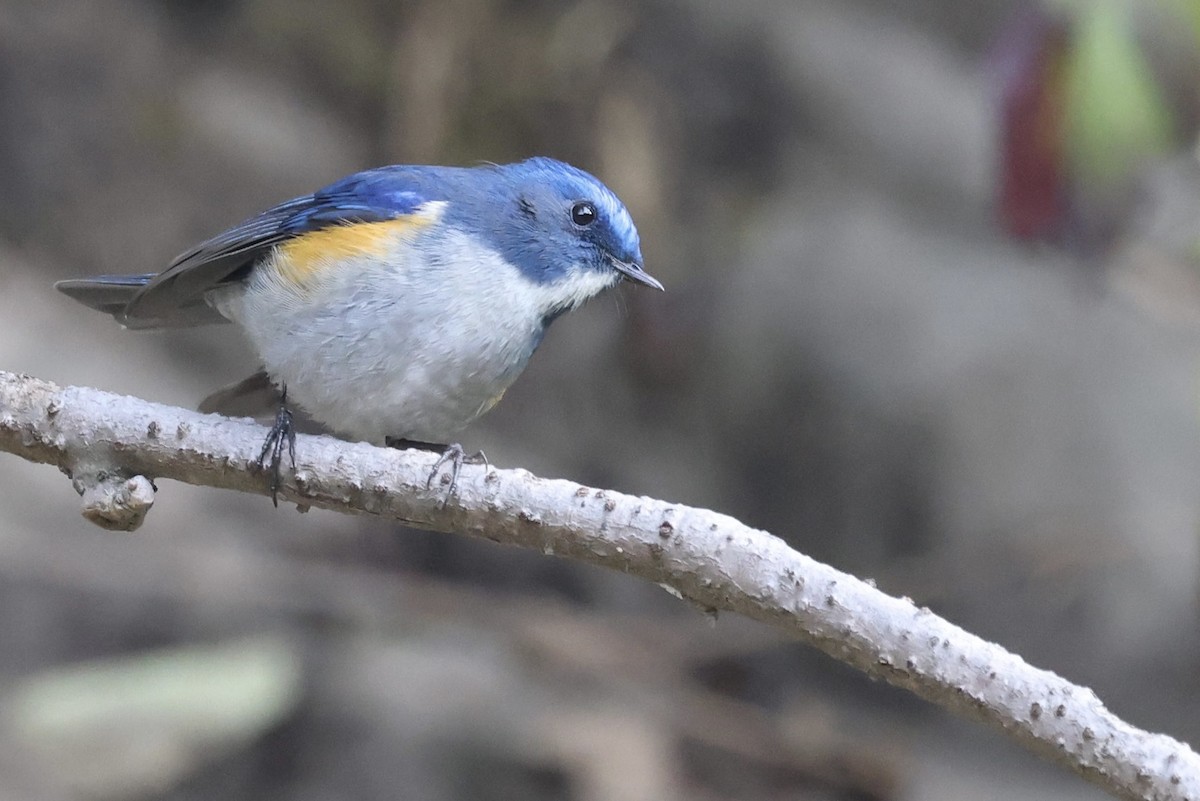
111, 445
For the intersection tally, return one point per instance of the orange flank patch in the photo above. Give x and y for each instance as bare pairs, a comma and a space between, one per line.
487, 405
306, 256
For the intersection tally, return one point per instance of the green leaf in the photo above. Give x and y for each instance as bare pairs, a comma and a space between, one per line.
1116, 116
115, 727
1189, 11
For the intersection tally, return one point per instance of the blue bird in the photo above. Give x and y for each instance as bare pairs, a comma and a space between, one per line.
395, 305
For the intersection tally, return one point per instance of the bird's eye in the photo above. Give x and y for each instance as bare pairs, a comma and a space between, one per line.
583, 214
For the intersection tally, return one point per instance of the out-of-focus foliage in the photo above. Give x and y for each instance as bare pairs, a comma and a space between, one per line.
1116, 117
1083, 114
127, 725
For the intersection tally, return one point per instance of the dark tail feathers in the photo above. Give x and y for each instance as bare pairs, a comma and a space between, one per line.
107, 293
112, 293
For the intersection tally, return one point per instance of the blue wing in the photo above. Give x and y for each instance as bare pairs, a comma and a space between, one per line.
178, 292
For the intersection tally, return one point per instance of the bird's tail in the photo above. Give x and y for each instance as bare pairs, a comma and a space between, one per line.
111, 294
107, 293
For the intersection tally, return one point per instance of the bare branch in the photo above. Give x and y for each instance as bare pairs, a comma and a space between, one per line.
109, 442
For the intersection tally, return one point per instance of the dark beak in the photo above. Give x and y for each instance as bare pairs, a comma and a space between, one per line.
632, 271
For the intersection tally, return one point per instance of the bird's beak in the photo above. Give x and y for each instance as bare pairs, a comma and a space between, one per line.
632, 271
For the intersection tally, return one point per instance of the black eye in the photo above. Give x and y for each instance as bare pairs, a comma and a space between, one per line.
583, 214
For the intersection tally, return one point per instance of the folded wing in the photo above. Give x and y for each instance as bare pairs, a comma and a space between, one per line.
176, 296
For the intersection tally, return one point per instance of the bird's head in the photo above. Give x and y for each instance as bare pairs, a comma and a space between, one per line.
564, 230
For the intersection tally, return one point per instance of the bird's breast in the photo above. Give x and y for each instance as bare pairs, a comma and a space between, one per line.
413, 339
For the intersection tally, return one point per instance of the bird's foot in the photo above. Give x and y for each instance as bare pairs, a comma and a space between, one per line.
452, 454
281, 435
456, 457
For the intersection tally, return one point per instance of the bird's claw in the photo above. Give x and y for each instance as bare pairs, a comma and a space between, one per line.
456, 457
282, 433
452, 454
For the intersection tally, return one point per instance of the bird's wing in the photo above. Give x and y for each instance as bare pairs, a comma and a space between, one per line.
371, 196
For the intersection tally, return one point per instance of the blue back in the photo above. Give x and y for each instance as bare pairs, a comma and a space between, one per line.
521, 210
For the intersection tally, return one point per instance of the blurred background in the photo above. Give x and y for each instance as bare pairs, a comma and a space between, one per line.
933, 316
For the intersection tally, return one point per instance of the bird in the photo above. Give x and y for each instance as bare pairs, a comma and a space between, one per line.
396, 305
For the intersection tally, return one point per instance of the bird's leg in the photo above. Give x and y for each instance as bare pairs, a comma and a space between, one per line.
452, 454
282, 433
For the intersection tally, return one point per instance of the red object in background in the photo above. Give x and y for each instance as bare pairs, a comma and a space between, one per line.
1027, 62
